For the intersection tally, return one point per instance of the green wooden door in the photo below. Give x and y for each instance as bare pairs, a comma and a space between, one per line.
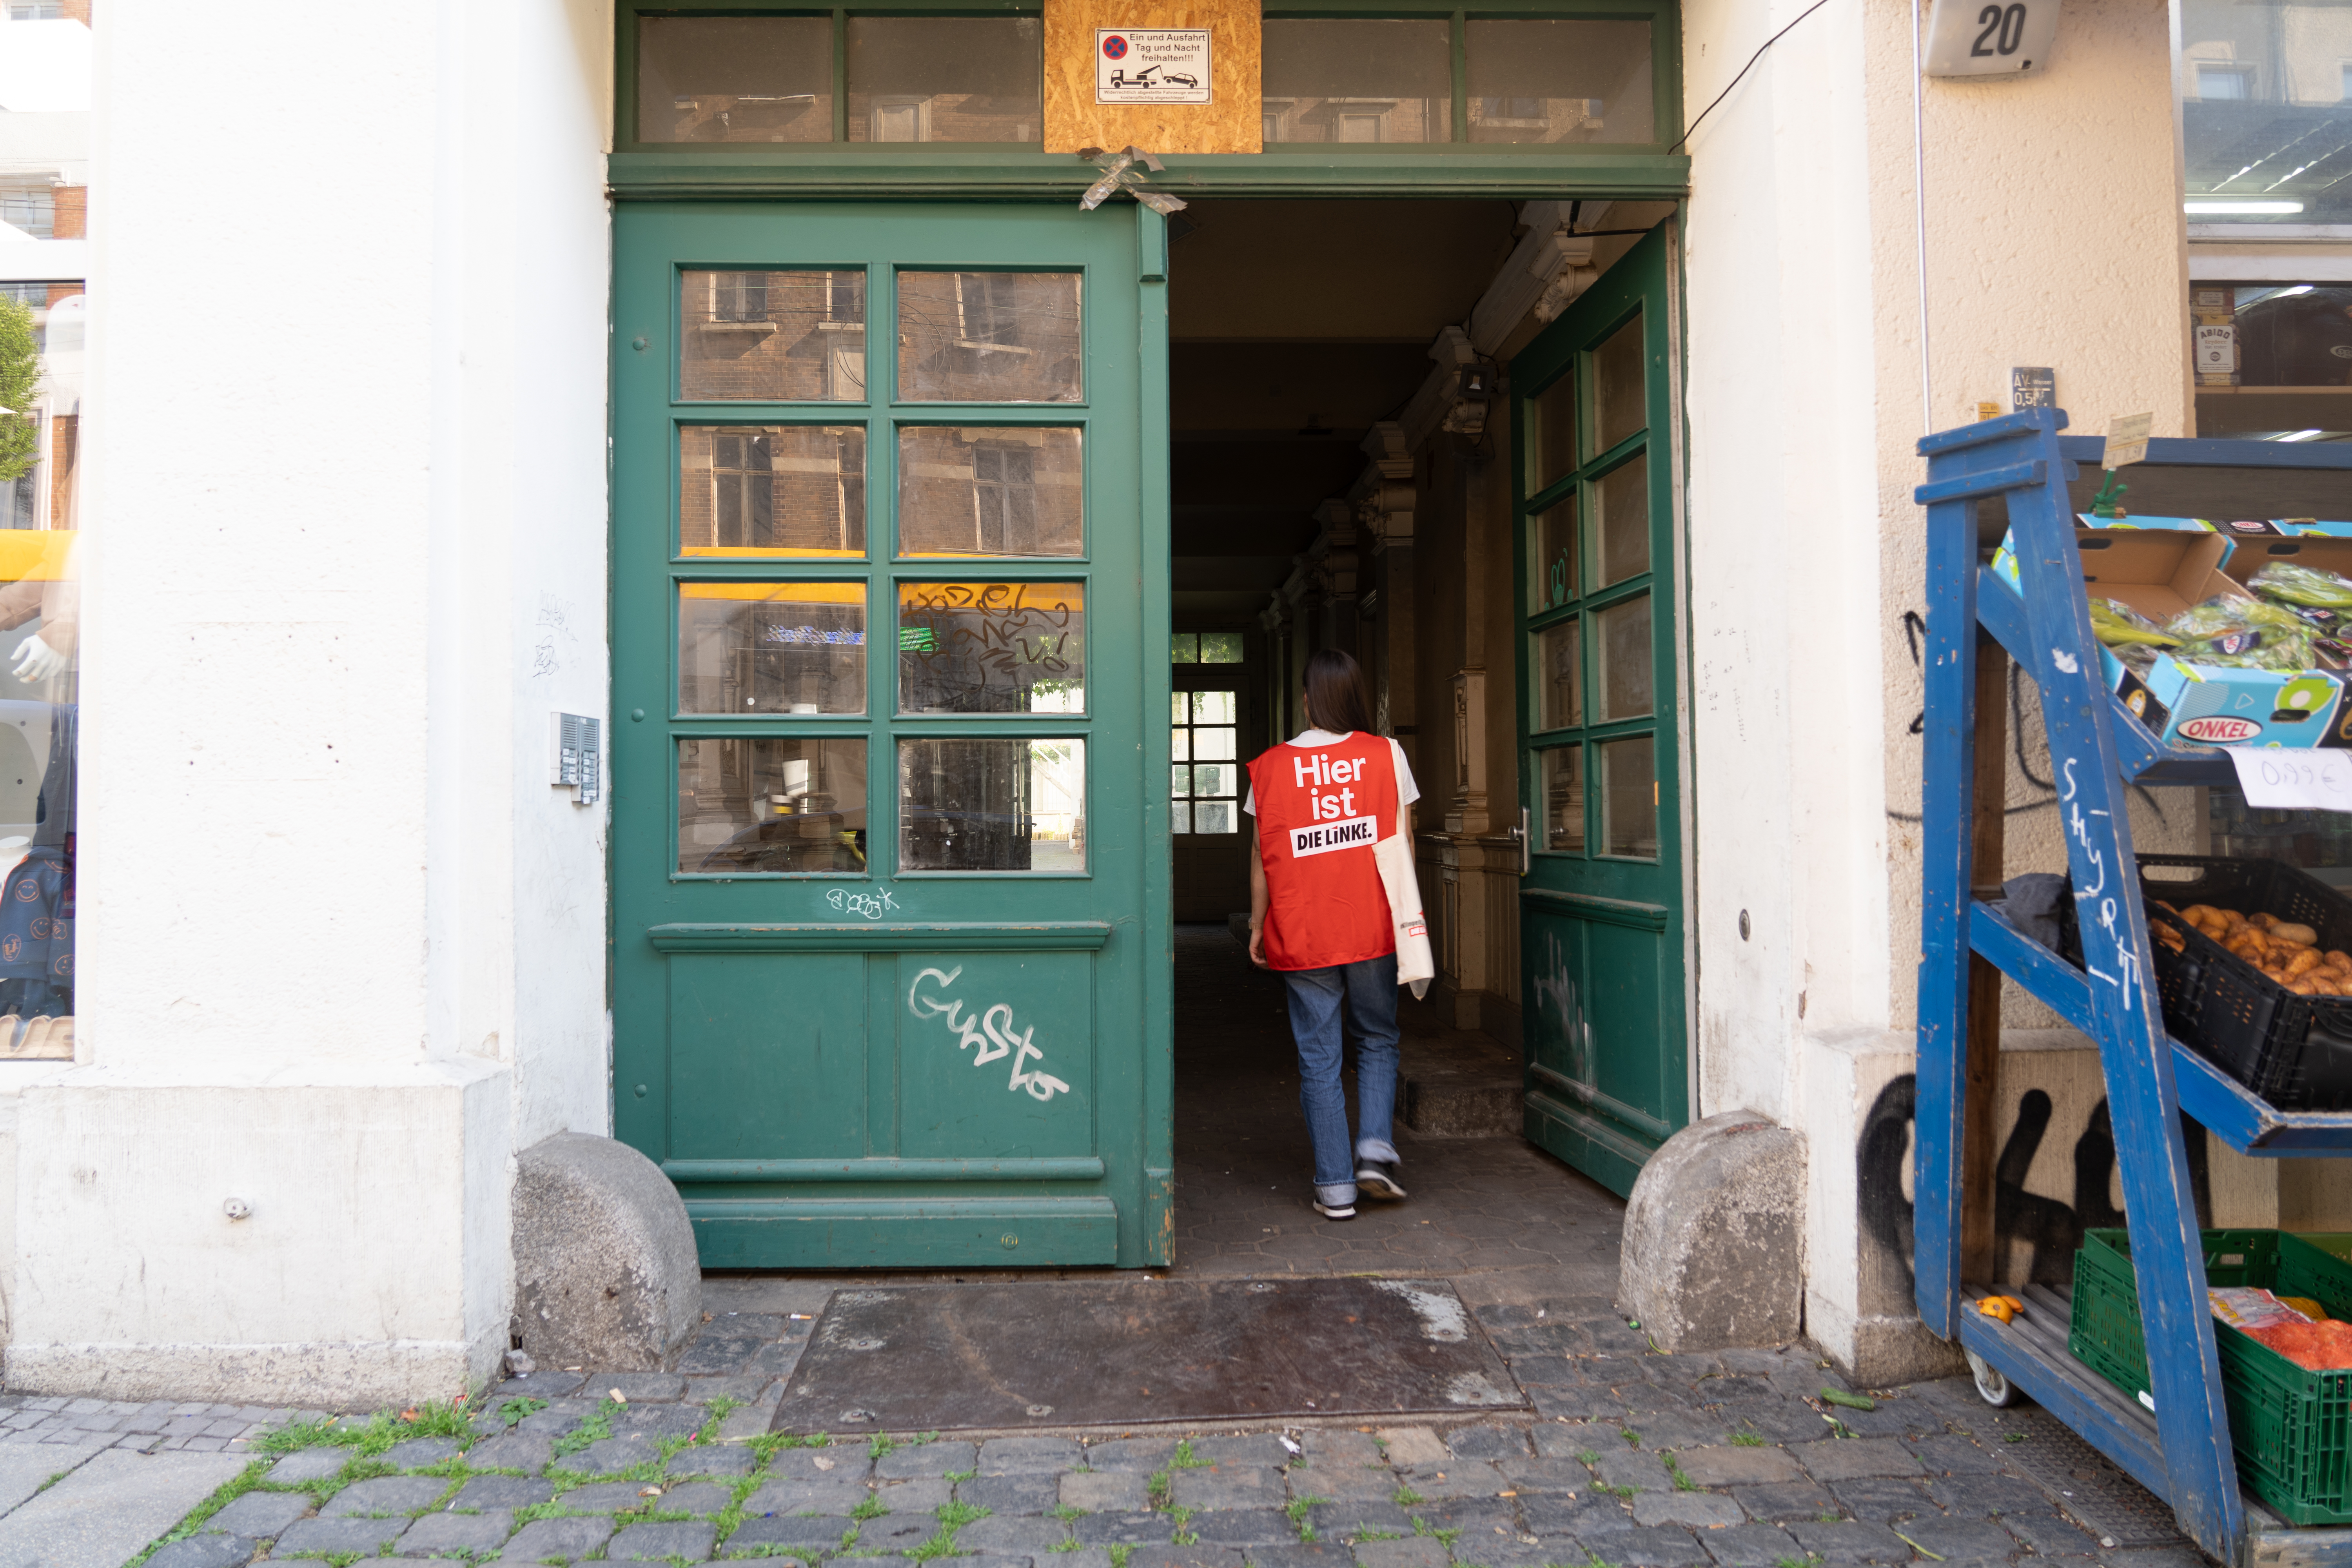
1601, 908
891, 958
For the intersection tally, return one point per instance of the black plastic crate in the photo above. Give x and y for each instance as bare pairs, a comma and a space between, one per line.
2294, 1051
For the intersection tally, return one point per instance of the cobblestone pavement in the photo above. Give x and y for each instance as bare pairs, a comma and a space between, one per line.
1631, 1459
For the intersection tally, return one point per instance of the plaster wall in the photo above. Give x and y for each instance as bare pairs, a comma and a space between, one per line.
2053, 237
342, 945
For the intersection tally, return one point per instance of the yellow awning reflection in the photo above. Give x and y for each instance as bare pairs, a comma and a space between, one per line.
35, 555
778, 593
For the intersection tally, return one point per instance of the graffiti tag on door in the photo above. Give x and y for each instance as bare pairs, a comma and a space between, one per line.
990, 1032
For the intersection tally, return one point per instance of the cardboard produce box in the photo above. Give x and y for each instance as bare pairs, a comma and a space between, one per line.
2160, 567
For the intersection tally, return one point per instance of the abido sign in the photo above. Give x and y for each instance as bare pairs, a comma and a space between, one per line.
1151, 65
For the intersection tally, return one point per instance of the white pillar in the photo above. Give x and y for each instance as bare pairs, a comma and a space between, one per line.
342, 945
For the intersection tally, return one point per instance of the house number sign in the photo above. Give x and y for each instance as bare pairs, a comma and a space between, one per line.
1151, 65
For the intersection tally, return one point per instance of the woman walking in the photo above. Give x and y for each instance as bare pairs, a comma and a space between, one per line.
1321, 915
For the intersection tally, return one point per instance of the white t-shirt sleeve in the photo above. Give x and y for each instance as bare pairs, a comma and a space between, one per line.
1407, 790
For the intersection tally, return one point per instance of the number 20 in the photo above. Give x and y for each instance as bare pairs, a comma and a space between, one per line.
2004, 29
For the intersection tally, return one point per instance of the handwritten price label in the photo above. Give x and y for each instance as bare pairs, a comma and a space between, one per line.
2293, 780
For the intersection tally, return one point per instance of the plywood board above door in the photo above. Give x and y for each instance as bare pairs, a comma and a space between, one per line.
1229, 123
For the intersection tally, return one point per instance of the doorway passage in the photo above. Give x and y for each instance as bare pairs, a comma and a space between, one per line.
1352, 467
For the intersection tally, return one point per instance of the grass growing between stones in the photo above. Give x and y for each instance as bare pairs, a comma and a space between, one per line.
227, 1492
594, 1429
1185, 1458
1185, 1534
1405, 1497
1745, 1440
1297, 1512
953, 1517
433, 1418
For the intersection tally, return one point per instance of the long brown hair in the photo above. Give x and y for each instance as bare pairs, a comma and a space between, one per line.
1337, 699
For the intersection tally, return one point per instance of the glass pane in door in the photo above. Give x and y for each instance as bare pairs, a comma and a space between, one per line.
1005, 489
1560, 676
1624, 507
983, 803
1619, 396
991, 648
990, 337
1629, 797
1565, 80
1356, 80
771, 491
1563, 798
1551, 564
795, 336
753, 804
771, 647
1551, 433
1625, 649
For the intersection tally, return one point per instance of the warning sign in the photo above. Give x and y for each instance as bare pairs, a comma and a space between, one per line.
1152, 65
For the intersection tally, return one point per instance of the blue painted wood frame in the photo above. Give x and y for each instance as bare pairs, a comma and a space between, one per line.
2019, 456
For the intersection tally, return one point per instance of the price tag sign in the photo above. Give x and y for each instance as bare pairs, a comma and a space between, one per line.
2127, 440
2279, 780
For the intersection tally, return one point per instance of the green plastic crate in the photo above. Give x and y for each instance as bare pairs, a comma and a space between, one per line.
2290, 1427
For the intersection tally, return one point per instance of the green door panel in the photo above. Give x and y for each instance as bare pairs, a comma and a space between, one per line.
891, 954
1599, 614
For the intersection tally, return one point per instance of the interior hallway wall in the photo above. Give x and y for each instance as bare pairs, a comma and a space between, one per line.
342, 945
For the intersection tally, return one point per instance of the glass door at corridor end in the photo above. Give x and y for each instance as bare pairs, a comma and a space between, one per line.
891, 953
1601, 908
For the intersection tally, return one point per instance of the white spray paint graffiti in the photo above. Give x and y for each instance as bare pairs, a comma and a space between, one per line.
2079, 830
1558, 986
873, 905
990, 1032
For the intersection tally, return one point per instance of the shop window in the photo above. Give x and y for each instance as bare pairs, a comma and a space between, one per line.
1204, 796
1565, 80
29, 206
1357, 81
2273, 361
2266, 116
945, 78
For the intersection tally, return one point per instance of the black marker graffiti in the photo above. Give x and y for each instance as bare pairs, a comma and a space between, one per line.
2054, 1229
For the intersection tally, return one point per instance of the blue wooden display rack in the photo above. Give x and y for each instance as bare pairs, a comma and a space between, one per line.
2181, 1450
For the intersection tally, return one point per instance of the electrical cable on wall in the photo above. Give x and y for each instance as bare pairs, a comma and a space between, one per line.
1758, 54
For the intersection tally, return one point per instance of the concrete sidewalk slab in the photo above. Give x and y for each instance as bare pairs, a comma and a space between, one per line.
109, 1508
24, 1466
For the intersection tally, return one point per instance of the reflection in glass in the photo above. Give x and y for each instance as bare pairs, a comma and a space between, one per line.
1551, 565
945, 78
1563, 796
1184, 647
990, 337
990, 805
772, 804
972, 490
1350, 80
1620, 408
771, 647
734, 79
1220, 648
772, 489
2267, 112
1625, 679
1629, 801
991, 648
1551, 432
777, 337
1624, 522
1560, 82
1560, 679
1212, 708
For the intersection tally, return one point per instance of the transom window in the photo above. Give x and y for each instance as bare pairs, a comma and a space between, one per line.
1205, 794
1438, 77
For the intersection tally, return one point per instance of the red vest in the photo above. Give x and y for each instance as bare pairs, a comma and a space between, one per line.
1320, 809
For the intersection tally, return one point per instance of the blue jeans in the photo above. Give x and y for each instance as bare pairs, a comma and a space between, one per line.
1369, 990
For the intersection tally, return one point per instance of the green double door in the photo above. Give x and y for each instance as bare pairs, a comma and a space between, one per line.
891, 959
1601, 921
